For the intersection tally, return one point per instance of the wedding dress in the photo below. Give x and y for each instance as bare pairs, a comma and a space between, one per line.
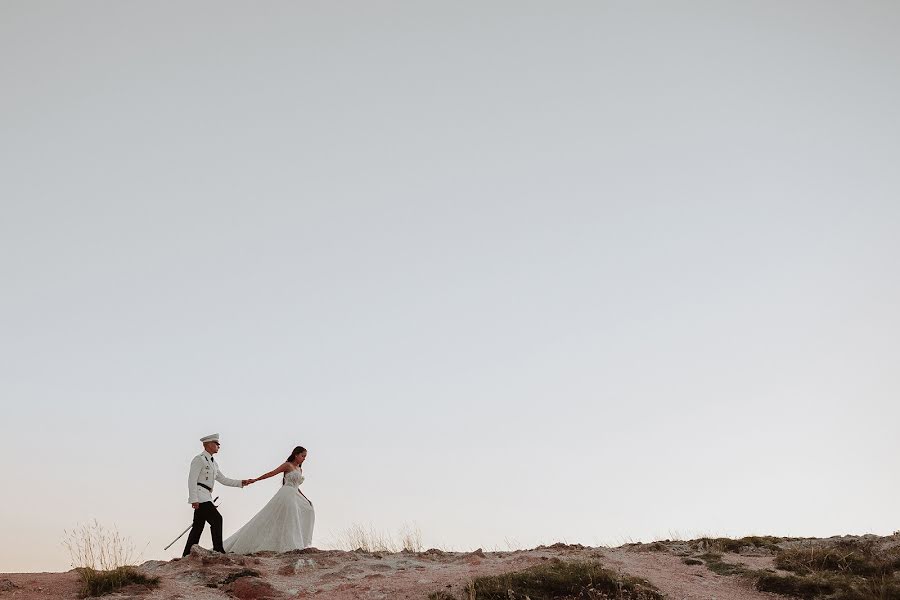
285, 523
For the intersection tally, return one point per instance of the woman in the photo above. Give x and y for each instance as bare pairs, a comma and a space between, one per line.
286, 522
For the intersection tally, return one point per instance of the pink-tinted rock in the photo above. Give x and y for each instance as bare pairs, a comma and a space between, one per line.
252, 588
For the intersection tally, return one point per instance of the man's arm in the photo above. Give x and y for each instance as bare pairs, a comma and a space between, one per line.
228, 481
193, 477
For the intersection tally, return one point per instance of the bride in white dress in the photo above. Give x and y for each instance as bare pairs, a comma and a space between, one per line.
286, 522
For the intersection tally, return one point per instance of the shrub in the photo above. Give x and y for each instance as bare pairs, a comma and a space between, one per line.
841, 570
723, 568
722, 544
860, 557
791, 585
562, 579
102, 558
99, 583
715, 564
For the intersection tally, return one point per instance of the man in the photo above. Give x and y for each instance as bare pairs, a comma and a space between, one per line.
202, 477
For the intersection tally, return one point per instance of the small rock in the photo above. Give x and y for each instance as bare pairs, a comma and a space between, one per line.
191, 576
252, 588
232, 577
291, 568
152, 565
199, 551
7, 585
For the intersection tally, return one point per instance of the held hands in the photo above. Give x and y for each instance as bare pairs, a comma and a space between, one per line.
247, 482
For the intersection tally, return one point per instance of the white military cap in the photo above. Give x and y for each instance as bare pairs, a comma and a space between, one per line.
210, 438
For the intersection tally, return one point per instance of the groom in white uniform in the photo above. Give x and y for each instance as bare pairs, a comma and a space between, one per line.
203, 476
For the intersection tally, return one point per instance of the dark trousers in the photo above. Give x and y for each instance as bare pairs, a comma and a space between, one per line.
205, 513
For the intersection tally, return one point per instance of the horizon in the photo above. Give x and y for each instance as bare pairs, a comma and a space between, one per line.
518, 272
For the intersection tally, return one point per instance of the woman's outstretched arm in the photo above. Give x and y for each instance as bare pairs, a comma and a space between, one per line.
280, 469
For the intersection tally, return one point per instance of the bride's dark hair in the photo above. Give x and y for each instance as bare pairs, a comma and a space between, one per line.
296, 451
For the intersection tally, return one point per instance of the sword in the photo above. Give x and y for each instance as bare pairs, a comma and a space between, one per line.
189, 527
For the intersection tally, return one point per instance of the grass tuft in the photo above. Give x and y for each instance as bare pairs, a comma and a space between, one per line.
859, 557
791, 585
100, 583
722, 544
102, 558
724, 568
559, 579
369, 539
715, 564
837, 569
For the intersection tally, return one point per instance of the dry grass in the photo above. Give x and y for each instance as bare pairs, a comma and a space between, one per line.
858, 557
99, 583
715, 564
92, 546
102, 557
840, 570
791, 585
410, 538
369, 539
721, 544
558, 580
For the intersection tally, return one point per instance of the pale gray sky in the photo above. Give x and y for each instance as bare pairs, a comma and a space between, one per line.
516, 271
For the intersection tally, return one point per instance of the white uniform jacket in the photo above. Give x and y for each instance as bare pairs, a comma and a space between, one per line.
203, 476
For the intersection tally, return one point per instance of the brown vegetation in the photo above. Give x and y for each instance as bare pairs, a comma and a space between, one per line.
557, 580
102, 558
846, 569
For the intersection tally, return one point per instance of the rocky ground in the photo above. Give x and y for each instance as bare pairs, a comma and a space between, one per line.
339, 575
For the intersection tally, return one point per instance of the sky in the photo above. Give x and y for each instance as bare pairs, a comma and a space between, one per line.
512, 272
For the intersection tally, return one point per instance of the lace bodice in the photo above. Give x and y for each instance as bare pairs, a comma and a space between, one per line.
294, 478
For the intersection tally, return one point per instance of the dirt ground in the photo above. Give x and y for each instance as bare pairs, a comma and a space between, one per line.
339, 575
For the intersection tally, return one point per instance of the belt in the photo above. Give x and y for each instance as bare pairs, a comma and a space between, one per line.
203, 485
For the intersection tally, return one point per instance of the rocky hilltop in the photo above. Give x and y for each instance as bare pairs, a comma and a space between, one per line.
719, 568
